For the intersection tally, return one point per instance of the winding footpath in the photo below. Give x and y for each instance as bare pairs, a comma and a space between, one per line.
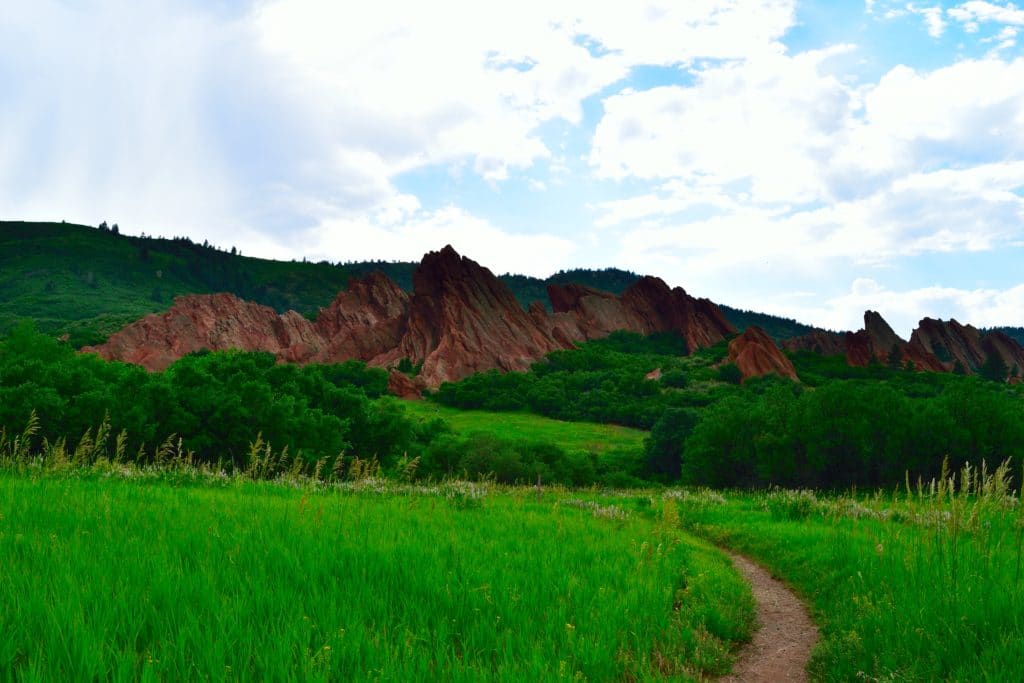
785, 636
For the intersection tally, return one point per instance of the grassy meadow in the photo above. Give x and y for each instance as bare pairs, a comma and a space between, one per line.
133, 574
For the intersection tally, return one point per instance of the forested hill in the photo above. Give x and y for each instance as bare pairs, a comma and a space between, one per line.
89, 282
1015, 332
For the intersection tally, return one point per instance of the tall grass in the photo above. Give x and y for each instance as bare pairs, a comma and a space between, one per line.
921, 583
172, 571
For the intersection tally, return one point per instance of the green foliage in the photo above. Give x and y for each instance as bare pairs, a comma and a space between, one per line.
528, 428
600, 381
217, 402
675, 379
664, 446
729, 373
994, 368
851, 432
221, 403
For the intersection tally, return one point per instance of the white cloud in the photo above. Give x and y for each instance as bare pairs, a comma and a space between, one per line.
216, 120
767, 122
933, 19
945, 211
977, 11
671, 198
99, 114
449, 80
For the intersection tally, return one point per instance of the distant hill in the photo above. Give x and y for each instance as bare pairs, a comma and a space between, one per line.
529, 289
88, 283
777, 327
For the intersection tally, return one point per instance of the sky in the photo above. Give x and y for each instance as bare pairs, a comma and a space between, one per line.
810, 159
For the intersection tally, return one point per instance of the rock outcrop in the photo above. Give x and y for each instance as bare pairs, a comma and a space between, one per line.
403, 386
1008, 349
460, 319
934, 346
647, 306
216, 322
964, 347
755, 354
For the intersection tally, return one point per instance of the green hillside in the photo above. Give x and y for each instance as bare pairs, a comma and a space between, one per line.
1015, 332
777, 327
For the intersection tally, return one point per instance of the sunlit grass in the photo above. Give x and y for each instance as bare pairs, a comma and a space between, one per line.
582, 436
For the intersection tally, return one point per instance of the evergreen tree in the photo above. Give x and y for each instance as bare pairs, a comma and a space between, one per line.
994, 368
895, 357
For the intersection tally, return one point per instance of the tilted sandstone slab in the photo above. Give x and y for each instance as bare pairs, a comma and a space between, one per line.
755, 354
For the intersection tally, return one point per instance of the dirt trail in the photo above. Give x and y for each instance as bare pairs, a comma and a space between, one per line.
785, 636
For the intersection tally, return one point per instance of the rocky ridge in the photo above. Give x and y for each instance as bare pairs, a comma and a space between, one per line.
460, 319
935, 346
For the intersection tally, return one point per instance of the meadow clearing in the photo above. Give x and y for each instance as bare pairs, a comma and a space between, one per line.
165, 569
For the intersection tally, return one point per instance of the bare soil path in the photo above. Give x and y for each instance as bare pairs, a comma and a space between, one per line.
785, 636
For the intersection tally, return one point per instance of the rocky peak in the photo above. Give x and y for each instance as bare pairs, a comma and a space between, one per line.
462, 319
459, 319
881, 337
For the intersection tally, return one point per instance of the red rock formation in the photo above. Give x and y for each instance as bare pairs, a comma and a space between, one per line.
965, 346
460, 319
699, 321
950, 342
878, 342
755, 354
